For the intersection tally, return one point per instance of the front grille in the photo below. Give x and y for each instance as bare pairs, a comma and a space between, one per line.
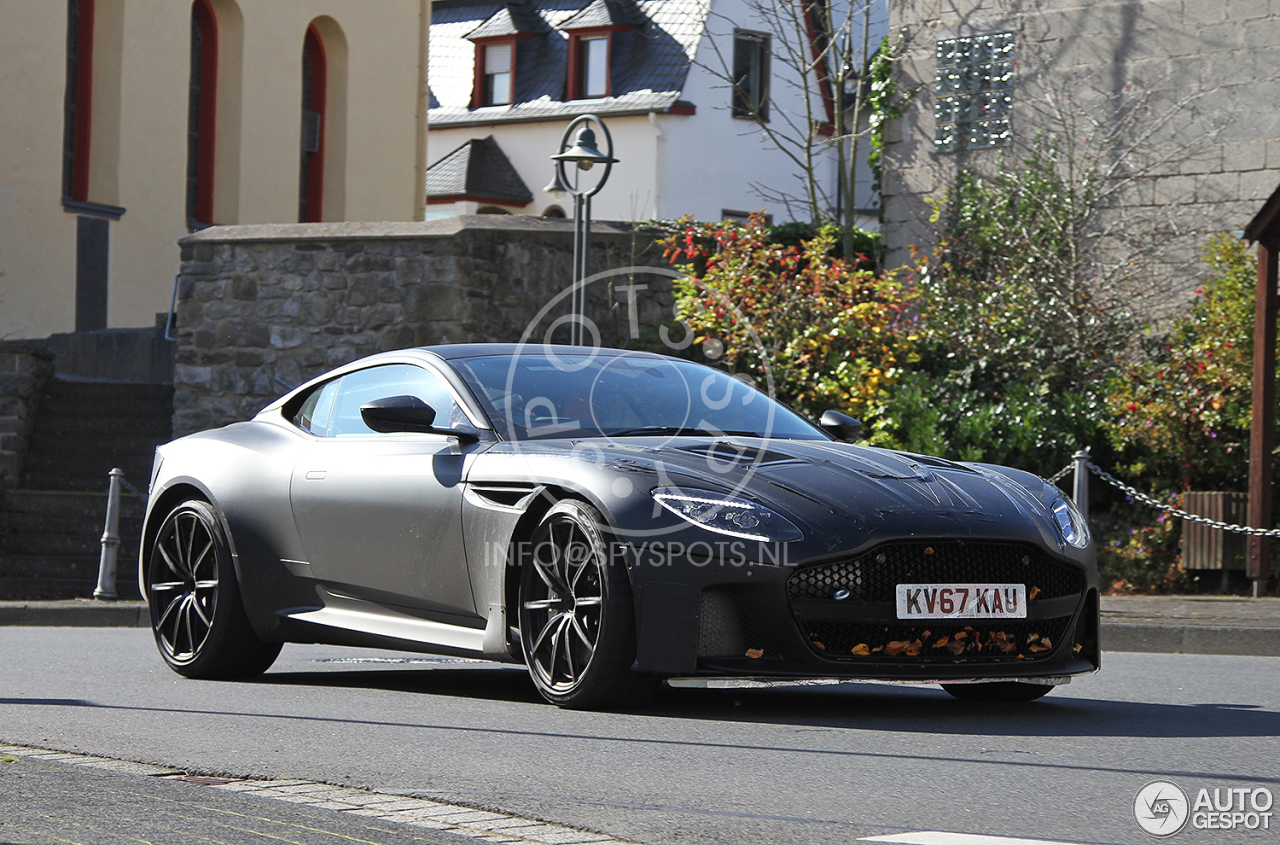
873, 575
988, 641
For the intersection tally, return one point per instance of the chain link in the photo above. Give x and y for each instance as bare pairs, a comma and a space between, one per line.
1062, 473
1190, 517
124, 482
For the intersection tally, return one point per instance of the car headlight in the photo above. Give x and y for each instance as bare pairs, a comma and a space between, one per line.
1071, 523
727, 514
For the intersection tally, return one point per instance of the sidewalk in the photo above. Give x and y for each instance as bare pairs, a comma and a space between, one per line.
1162, 624
1191, 625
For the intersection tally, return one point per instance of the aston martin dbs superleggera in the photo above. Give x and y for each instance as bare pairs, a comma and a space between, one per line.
609, 519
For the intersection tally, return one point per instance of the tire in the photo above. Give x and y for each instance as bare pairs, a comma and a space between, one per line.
196, 613
577, 620
1002, 691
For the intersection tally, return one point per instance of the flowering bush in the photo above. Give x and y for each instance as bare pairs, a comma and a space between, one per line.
1181, 411
826, 331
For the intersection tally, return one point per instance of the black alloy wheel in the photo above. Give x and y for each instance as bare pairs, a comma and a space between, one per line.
577, 622
196, 613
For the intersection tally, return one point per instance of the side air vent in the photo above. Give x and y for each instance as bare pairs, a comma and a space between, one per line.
503, 495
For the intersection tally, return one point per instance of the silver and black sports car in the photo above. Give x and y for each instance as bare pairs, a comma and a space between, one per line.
610, 519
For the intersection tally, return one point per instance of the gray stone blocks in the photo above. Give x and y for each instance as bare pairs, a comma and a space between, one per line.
24, 369
263, 308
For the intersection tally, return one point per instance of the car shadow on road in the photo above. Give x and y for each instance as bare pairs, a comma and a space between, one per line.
847, 706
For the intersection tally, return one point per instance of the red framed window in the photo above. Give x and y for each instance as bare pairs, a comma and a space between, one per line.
589, 59
315, 77
78, 105
495, 72
201, 113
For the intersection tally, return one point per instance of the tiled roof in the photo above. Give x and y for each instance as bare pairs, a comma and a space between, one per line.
648, 69
601, 13
478, 168
511, 19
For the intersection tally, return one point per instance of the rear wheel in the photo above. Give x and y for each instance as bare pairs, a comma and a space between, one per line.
1002, 691
577, 622
199, 621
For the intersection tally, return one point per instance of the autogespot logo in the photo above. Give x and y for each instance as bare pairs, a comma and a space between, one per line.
1161, 808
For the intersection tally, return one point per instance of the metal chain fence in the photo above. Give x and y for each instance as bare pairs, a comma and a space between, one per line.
1061, 474
1158, 505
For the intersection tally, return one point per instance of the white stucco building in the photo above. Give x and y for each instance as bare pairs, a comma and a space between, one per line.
507, 78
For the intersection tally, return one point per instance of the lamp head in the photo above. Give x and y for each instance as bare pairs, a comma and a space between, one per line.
584, 152
555, 187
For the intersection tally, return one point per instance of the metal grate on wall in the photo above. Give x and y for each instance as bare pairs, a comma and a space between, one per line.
974, 88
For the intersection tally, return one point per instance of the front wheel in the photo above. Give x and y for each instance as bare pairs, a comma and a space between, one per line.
1002, 691
199, 621
577, 622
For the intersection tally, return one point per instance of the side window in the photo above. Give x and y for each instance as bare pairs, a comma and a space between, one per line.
355, 389
315, 412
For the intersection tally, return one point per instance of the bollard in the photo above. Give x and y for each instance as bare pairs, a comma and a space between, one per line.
106, 589
1080, 494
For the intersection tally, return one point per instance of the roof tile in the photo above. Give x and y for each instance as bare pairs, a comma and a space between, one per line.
649, 63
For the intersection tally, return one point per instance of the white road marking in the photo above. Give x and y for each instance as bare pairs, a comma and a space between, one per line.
936, 837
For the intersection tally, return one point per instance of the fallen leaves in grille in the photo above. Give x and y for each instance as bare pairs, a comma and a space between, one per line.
966, 641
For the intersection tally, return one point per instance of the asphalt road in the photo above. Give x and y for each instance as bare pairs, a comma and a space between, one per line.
811, 765
53, 803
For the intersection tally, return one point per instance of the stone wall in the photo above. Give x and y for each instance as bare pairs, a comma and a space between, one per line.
24, 369
1210, 68
261, 309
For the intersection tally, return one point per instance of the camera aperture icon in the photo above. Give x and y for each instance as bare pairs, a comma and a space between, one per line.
1161, 808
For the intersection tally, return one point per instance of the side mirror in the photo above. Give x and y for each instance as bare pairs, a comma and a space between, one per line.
398, 414
840, 426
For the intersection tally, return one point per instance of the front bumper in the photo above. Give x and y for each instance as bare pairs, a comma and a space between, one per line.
701, 618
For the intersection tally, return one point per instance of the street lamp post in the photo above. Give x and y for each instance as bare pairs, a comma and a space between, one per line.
584, 154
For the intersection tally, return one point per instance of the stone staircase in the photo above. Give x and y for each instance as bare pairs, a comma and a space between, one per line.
51, 525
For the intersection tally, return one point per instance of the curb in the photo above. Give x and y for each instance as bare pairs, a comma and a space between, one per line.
78, 613
1190, 639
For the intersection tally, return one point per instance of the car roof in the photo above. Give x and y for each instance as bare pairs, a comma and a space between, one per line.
457, 351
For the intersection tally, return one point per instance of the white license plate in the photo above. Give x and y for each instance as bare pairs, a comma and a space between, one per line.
962, 601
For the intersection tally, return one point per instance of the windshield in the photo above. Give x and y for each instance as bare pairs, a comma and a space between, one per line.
616, 394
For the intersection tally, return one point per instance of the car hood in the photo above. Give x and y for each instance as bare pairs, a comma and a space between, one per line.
839, 494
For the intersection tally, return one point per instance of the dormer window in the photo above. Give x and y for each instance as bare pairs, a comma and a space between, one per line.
594, 33
496, 53
495, 73
593, 66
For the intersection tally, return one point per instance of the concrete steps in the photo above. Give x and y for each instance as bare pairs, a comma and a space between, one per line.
51, 526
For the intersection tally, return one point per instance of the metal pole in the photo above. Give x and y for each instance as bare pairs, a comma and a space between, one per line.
586, 260
106, 589
577, 250
1080, 491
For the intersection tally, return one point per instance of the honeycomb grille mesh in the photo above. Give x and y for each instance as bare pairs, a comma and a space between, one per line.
873, 576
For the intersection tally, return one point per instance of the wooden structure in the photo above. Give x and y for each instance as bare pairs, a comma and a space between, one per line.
1264, 229
1205, 548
